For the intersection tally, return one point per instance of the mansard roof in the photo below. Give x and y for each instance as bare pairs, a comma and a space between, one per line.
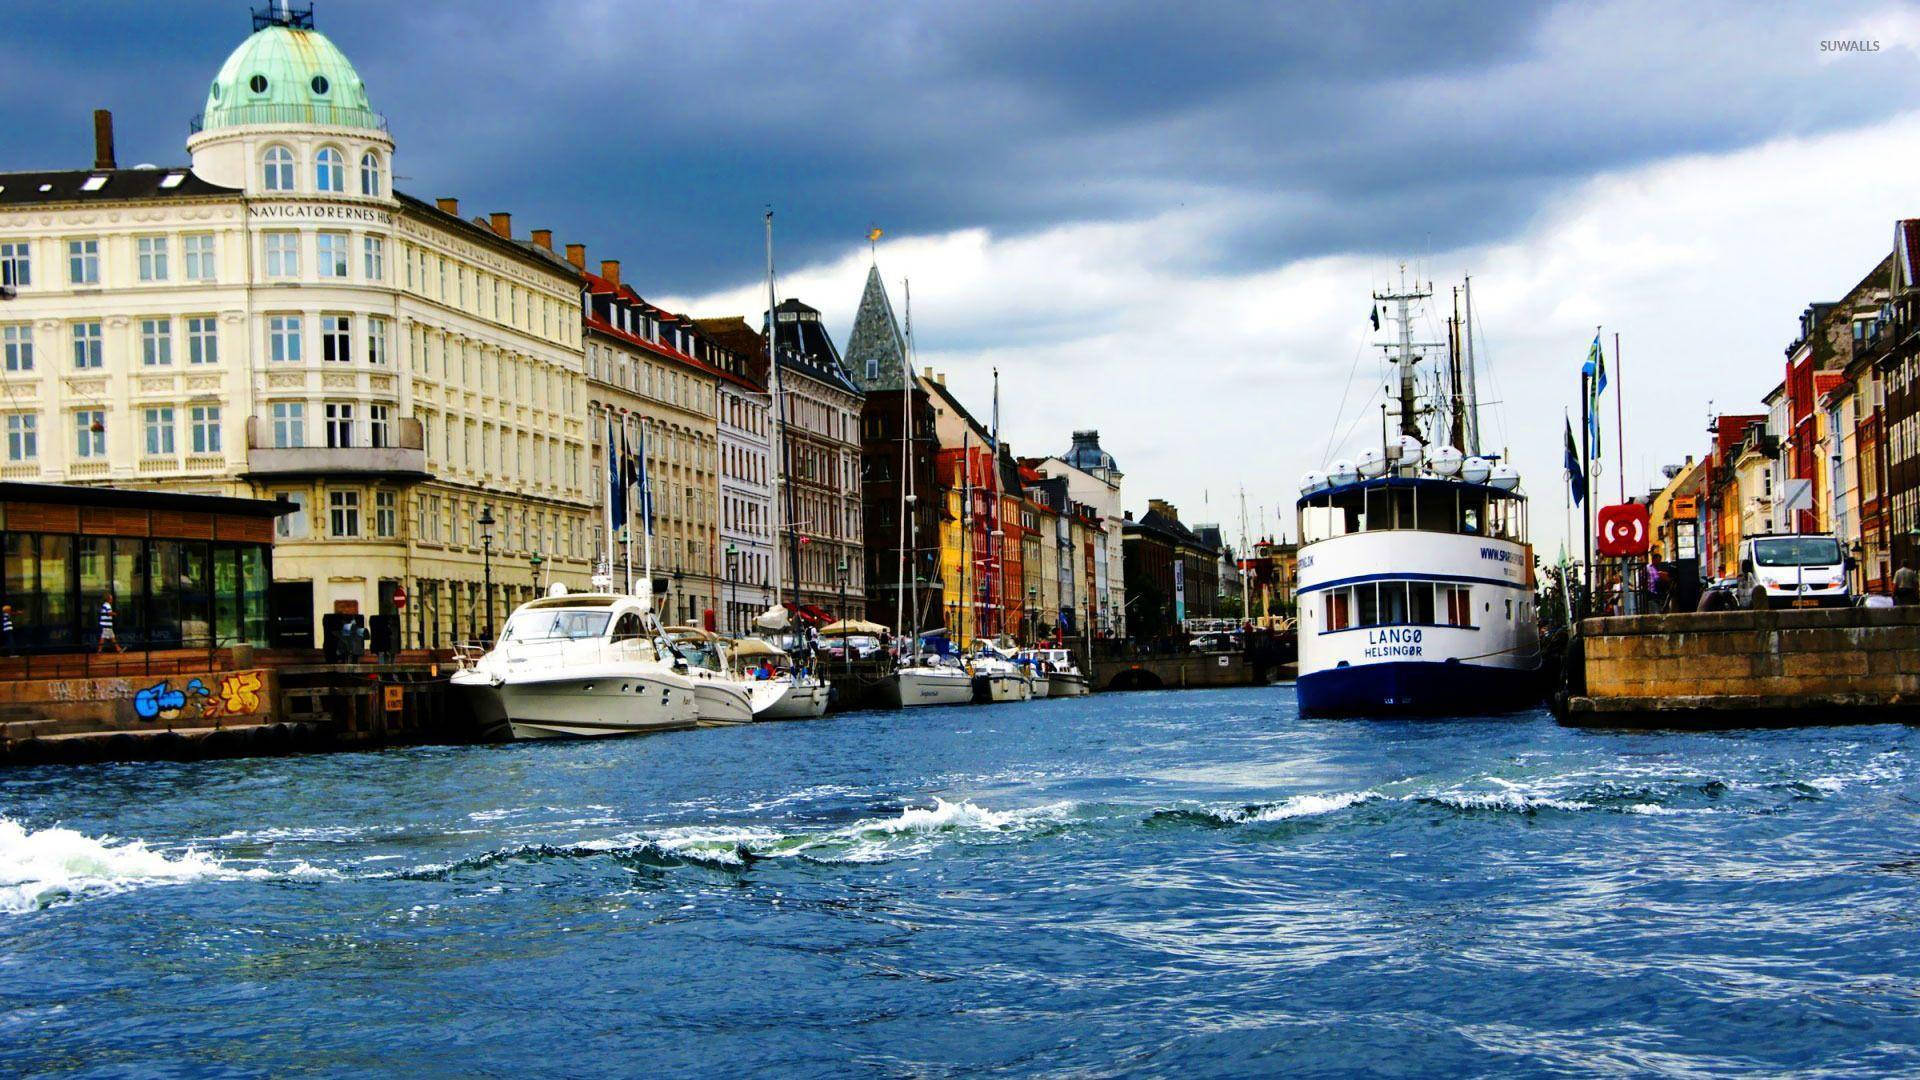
105, 185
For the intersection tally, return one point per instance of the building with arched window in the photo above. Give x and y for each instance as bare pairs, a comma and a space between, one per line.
261, 323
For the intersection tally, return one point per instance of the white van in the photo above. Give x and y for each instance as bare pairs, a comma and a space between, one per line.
1794, 571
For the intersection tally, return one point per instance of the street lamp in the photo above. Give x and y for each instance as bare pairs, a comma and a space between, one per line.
486, 523
1033, 614
534, 561
846, 648
733, 588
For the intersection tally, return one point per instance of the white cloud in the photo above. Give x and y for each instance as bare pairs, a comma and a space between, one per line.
1200, 384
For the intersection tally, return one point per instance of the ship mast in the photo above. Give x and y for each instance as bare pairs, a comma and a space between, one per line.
1409, 413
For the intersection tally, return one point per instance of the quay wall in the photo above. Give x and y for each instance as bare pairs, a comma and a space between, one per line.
1786, 662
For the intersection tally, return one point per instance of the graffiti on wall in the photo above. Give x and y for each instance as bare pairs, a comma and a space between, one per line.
239, 694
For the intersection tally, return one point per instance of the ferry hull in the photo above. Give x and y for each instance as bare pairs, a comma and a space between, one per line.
1417, 688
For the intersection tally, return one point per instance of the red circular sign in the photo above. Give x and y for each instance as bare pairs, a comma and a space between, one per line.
400, 598
1624, 530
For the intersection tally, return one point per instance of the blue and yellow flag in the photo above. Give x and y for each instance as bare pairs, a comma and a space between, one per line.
1595, 369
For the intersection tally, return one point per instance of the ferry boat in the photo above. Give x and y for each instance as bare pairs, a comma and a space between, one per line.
1415, 579
1055, 667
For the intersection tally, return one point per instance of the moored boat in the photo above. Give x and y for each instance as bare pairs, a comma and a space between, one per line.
577, 666
1057, 668
777, 687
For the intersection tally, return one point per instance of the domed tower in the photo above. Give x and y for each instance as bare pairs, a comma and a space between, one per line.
288, 115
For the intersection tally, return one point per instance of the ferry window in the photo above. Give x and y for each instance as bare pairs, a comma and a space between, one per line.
1509, 611
1403, 501
1393, 602
1367, 605
1339, 613
1473, 512
1434, 510
1458, 601
1420, 604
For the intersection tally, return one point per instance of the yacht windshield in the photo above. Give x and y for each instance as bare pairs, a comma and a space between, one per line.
1797, 551
558, 623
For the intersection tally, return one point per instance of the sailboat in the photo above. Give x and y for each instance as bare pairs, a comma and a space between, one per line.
917, 679
1416, 578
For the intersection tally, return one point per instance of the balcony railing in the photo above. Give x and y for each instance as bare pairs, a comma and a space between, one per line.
403, 457
323, 115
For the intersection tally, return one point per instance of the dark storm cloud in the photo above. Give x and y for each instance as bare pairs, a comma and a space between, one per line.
656, 133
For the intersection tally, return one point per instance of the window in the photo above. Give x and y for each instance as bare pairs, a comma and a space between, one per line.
23, 436
283, 254
293, 524
197, 250
152, 251
330, 171
90, 433
373, 251
278, 164
16, 264
159, 427
204, 422
17, 344
203, 339
370, 173
336, 338
83, 262
156, 342
343, 513
283, 338
86, 345
339, 424
330, 254
289, 424
386, 514
376, 339
377, 425
1457, 602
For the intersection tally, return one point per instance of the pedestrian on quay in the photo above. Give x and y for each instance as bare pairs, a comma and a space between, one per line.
1906, 585
107, 635
6, 629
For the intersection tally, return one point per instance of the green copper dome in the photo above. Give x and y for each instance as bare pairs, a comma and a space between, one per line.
287, 75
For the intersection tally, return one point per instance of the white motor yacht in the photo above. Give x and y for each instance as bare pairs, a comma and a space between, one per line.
582, 665
1057, 669
778, 689
723, 698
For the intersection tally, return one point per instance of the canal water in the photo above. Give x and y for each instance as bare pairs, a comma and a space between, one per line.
1193, 883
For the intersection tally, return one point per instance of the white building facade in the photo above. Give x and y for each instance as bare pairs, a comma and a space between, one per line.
276, 321
1094, 478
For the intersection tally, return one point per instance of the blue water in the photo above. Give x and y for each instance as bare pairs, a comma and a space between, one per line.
1193, 884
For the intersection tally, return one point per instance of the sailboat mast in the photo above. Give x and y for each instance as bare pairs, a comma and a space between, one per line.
906, 469
1409, 410
996, 564
1472, 445
1456, 406
779, 426
968, 612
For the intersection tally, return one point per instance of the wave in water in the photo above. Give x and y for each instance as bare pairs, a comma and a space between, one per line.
43, 867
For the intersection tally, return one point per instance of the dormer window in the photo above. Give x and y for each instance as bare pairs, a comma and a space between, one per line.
278, 169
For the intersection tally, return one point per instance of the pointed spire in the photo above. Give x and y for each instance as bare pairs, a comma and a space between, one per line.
876, 352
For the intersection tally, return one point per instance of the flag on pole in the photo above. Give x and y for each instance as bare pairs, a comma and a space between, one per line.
616, 490
1595, 369
1374, 314
629, 474
1576, 475
646, 485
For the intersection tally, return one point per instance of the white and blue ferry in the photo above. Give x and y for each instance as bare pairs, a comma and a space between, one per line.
1416, 581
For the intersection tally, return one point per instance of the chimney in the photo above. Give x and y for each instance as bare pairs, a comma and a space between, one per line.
577, 255
610, 269
448, 205
103, 139
502, 223
543, 239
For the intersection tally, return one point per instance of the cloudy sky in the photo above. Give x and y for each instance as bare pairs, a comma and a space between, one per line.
1159, 220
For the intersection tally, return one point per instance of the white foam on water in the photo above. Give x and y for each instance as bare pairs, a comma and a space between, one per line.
43, 867
1510, 800
1656, 810
1299, 806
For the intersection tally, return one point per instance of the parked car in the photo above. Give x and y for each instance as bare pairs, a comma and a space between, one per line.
861, 645
1793, 571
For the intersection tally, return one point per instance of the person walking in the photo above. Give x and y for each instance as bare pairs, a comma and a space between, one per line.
6, 629
107, 634
1906, 585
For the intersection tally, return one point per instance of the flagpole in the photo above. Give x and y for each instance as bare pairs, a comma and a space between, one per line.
607, 495
1586, 515
628, 524
646, 513
1619, 424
